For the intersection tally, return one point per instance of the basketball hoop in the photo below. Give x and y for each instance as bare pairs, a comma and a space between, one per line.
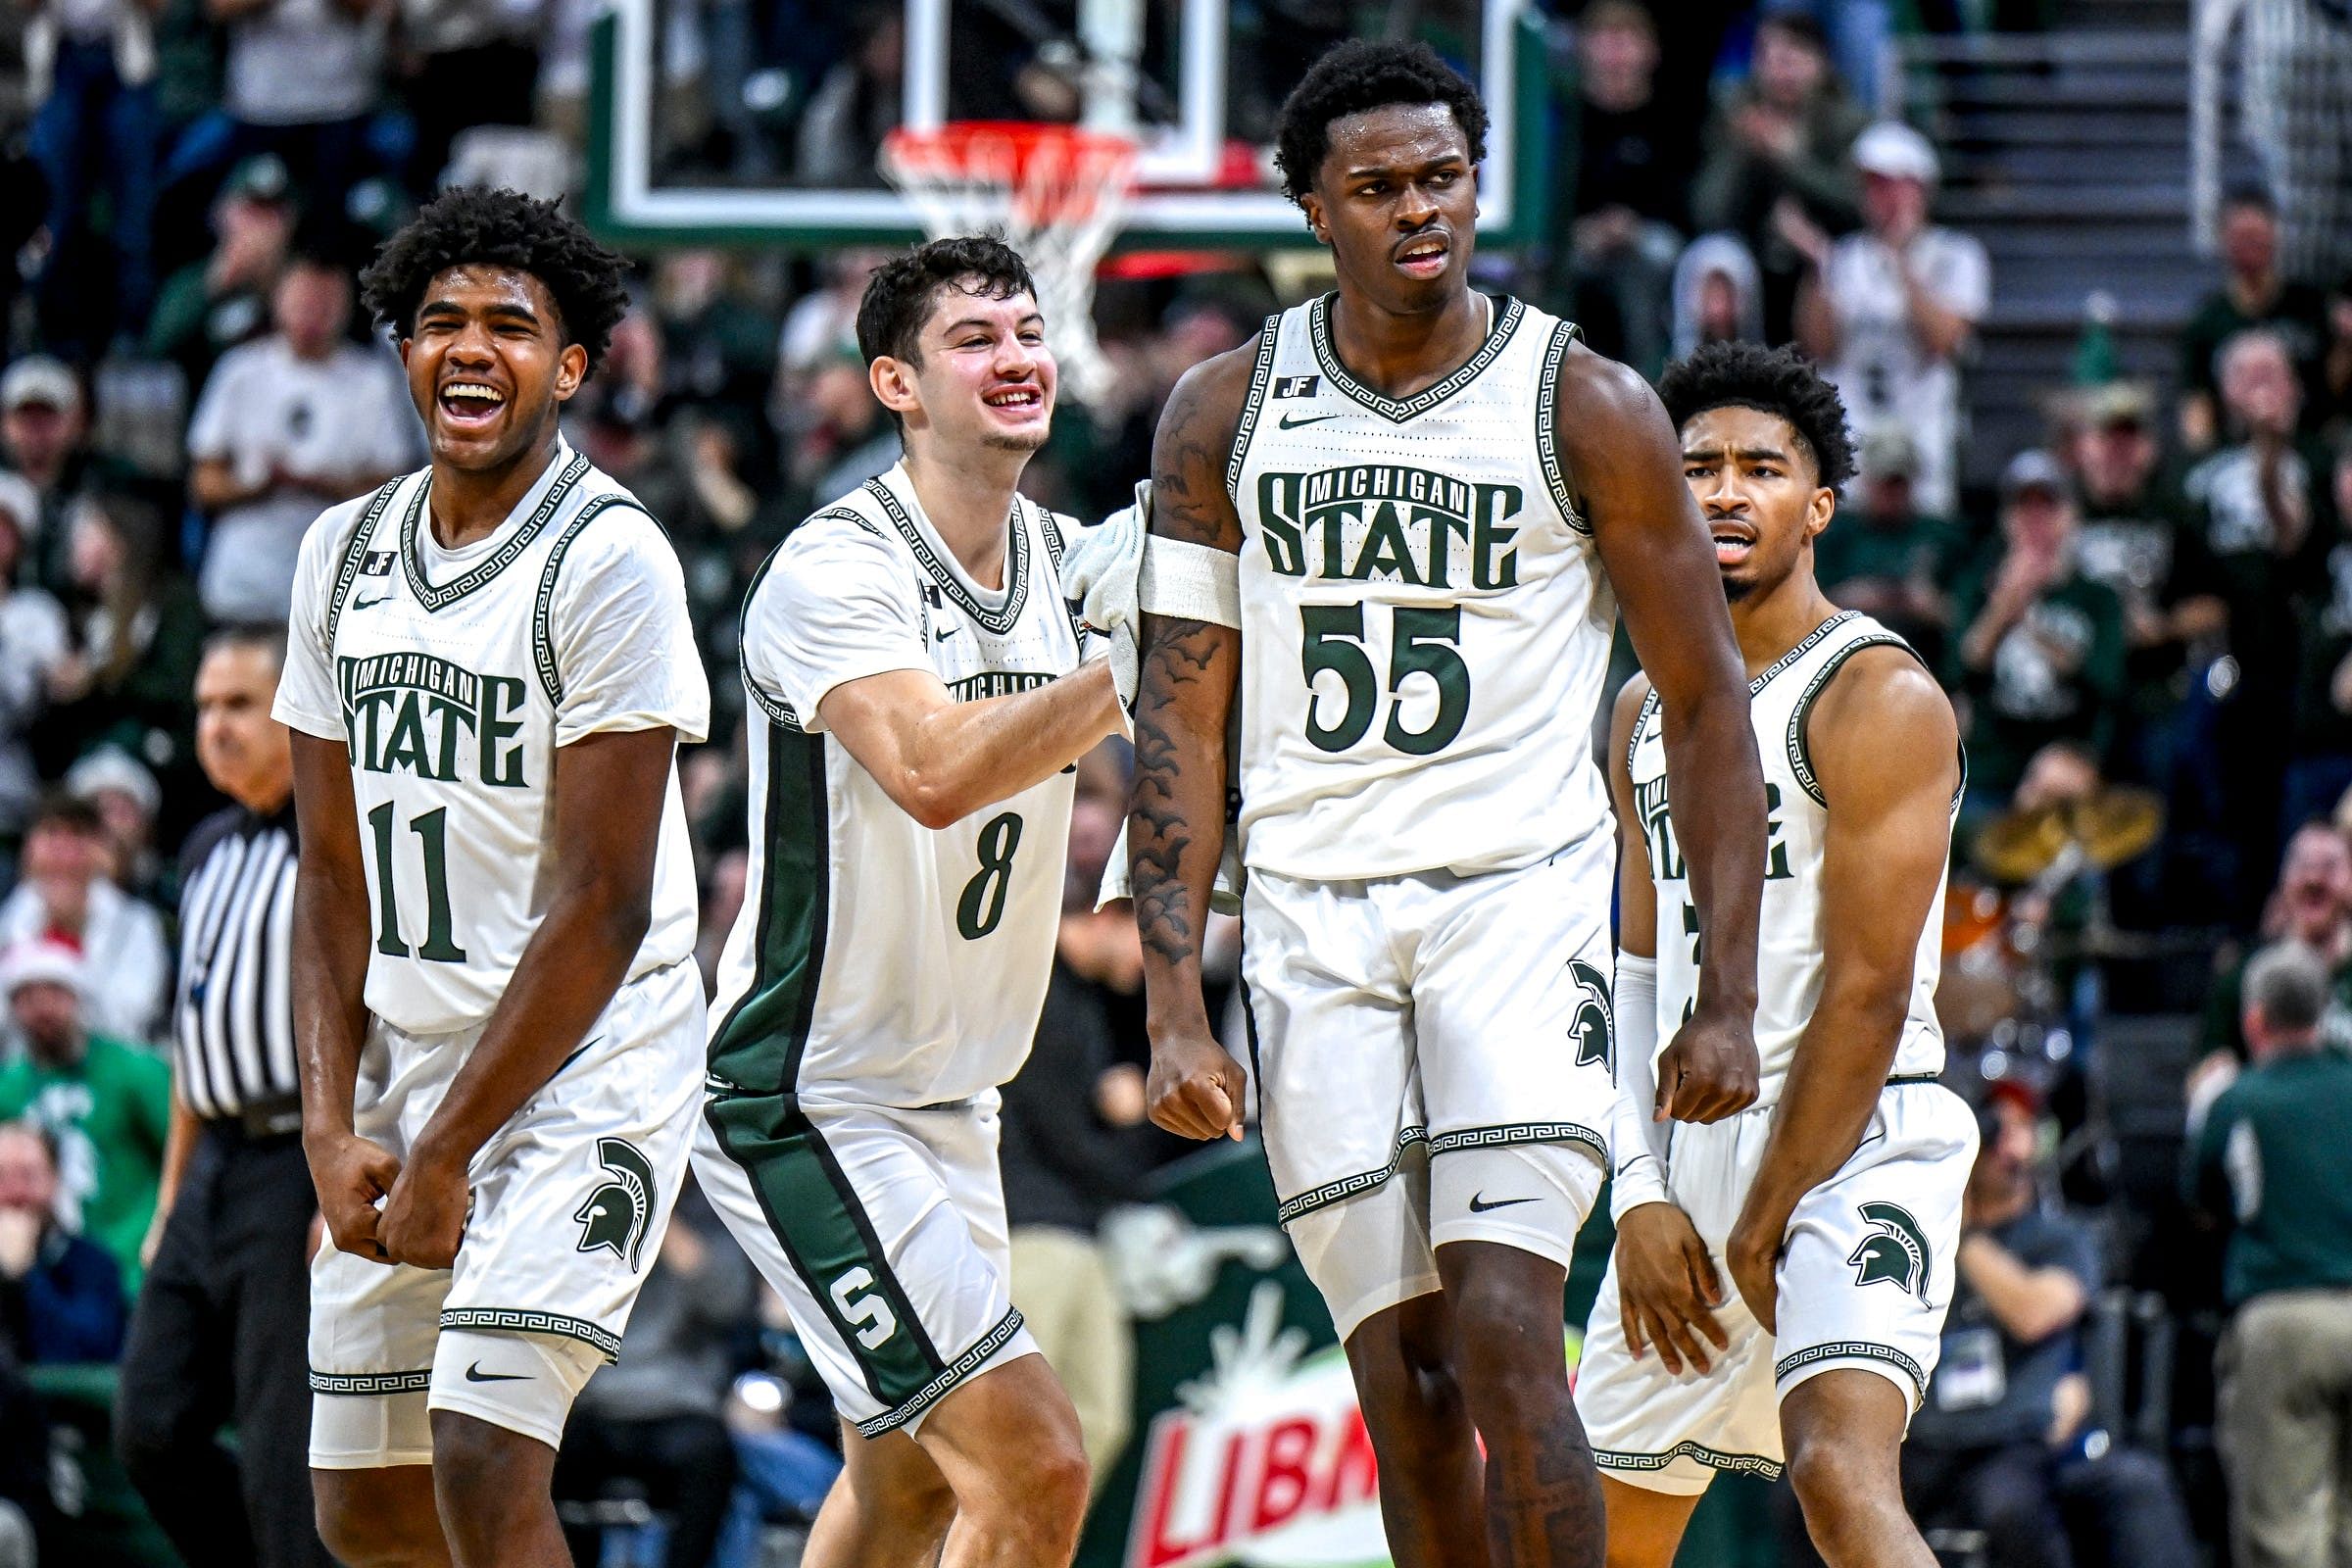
1055, 193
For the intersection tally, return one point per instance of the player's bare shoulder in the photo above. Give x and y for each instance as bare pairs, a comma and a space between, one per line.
1193, 445
1882, 722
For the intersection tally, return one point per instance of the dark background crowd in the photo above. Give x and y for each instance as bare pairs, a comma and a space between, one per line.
2144, 614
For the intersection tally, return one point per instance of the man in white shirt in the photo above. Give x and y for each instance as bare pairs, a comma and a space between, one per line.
289, 423
1887, 310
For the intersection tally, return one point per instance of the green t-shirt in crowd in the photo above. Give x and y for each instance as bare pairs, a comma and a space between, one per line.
2272, 1160
109, 1112
2057, 673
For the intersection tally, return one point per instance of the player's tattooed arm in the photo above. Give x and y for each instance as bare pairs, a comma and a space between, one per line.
1176, 813
332, 921
1627, 463
1886, 751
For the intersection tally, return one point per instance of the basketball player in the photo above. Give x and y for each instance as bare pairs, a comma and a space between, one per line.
1834, 1204
918, 700
495, 1003
1425, 487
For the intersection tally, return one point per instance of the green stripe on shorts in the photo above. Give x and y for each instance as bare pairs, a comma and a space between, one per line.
816, 1216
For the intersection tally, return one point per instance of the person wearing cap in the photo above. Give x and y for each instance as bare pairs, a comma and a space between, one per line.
2263, 517
213, 304
2270, 1165
1889, 561
287, 424
126, 797
45, 433
1888, 310
2040, 647
229, 1288
108, 1102
64, 894
2253, 292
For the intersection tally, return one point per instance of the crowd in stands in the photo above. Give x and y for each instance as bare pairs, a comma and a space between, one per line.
2159, 595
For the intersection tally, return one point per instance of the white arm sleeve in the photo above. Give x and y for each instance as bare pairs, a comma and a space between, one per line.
1638, 1144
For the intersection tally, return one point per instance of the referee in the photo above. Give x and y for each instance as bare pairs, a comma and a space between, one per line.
220, 1329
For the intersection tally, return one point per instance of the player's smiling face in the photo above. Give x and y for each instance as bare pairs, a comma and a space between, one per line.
1397, 199
488, 365
986, 377
1754, 480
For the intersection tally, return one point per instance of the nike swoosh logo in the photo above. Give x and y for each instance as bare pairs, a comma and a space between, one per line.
475, 1374
1479, 1204
1291, 421
943, 636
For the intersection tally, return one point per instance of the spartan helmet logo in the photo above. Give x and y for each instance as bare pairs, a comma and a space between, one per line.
1594, 1026
615, 1213
1895, 1250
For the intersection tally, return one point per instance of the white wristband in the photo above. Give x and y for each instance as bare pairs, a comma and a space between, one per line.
1638, 1144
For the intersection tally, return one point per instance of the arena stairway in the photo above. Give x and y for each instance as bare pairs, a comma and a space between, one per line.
2067, 154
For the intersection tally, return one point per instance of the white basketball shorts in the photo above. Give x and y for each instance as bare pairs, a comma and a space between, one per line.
1455, 1013
1865, 1282
570, 1202
883, 1229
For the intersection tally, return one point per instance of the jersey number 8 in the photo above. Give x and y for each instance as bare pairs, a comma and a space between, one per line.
983, 902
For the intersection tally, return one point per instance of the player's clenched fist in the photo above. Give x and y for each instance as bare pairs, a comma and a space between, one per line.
425, 1217
1709, 1071
1196, 1088
351, 1175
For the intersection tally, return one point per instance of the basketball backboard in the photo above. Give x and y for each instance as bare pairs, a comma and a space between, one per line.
701, 131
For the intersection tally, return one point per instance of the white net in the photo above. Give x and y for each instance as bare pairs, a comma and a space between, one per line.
1055, 193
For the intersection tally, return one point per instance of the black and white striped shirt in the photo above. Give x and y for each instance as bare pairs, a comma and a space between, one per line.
232, 1017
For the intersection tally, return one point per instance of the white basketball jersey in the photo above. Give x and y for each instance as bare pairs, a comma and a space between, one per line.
1425, 625
877, 960
452, 677
1793, 927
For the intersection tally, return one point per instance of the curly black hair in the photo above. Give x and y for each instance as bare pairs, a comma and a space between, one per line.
1359, 75
1777, 381
473, 225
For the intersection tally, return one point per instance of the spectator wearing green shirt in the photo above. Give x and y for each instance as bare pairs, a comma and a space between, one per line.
2040, 651
108, 1103
2254, 293
2271, 1164
1885, 557
2312, 907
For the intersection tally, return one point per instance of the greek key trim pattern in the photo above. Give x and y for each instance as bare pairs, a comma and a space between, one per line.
370, 1382
543, 609
353, 554
1548, 442
1800, 760
963, 1366
533, 1322
1851, 1350
1747, 1464
1363, 1181
1522, 1132
997, 621
458, 587
1508, 315
1252, 405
